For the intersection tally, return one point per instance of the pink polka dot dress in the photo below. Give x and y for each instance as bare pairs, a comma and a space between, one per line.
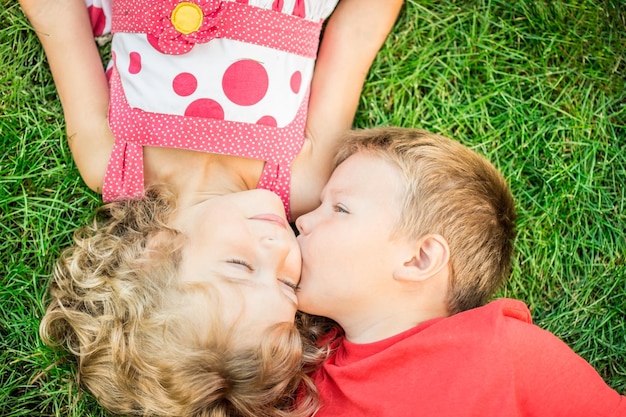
227, 77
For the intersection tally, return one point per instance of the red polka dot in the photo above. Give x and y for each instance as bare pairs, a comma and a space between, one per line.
135, 63
267, 121
184, 84
296, 82
98, 20
245, 82
205, 107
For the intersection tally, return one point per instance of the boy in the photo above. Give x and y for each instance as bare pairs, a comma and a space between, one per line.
409, 289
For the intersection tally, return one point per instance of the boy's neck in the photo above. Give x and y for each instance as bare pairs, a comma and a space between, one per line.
380, 326
402, 308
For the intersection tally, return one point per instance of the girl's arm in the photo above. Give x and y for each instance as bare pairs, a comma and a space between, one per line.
354, 34
64, 29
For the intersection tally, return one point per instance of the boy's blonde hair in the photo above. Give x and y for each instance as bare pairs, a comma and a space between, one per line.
118, 306
454, 192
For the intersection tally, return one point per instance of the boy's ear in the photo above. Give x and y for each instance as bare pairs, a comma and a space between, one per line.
425, 258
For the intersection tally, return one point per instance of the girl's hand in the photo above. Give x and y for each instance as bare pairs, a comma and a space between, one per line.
353, 36
64, 29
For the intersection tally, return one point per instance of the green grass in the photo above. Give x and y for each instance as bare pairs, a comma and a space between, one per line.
536, 86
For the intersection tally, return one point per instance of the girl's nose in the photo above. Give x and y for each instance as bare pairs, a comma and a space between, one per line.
279, 252
277, 244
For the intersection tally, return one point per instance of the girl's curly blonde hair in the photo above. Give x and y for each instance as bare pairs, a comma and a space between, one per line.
117, 305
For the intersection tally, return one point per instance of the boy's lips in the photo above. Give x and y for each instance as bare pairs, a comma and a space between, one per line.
271, 217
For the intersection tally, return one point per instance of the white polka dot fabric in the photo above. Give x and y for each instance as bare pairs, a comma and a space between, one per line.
222, 79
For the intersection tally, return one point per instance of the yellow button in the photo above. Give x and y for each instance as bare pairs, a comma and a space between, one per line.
187, 17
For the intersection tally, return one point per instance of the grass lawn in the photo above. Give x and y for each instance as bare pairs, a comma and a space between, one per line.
536, 86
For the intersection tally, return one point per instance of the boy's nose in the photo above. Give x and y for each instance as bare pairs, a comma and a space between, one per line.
303, 224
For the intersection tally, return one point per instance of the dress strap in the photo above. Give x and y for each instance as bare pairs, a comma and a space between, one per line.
124, 175
174, 26
276, 177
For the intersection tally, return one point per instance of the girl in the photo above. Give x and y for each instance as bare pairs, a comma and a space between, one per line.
180, 300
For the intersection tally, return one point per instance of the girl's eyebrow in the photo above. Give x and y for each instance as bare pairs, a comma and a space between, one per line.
224, 272
248, 282
230, 279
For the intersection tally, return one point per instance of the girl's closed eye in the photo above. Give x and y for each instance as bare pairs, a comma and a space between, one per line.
241, 262
295, 287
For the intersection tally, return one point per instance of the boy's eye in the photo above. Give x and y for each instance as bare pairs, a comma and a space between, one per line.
340, 208
241, 262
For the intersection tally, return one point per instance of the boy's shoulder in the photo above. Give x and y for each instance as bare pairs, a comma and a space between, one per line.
503, 308
495, 320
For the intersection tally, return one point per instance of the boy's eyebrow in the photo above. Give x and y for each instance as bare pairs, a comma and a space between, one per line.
335, 191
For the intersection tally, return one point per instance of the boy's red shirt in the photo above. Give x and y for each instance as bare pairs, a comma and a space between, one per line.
489, 361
